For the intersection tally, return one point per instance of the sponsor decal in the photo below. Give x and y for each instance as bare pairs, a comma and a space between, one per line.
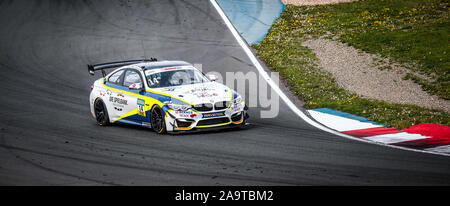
202, 92
185, 114
140, 102
120, 95
204, 95
102, 93
170, 89
141, 107
214, 114
118, 100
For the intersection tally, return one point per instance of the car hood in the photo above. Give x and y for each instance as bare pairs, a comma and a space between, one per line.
208, 92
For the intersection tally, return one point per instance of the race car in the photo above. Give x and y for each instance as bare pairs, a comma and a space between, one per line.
167, 96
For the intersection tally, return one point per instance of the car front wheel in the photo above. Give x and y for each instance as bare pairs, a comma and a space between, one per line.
157, 120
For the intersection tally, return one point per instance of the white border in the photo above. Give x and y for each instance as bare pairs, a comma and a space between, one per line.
277, 89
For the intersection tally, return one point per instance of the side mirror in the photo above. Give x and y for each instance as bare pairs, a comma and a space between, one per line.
213, 77
136, 86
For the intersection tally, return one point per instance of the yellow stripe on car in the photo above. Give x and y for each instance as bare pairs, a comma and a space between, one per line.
132, 112
215, 125
148, 90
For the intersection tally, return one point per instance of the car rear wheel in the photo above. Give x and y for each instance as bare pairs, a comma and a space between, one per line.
157, 120
101, 113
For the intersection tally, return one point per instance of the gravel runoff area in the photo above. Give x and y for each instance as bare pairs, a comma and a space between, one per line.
355, 71
313, 2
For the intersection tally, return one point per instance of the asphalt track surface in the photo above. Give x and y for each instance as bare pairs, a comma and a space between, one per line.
48, 137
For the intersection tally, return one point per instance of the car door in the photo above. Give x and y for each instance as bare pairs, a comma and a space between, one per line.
115, 103
135, 101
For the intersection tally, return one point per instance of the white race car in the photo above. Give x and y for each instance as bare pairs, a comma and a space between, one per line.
167, 96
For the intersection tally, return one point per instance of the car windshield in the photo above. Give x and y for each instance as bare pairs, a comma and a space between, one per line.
169, 77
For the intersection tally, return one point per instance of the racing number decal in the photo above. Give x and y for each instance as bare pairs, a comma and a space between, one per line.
141, 106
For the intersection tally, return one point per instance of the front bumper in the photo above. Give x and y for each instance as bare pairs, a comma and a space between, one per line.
177, 121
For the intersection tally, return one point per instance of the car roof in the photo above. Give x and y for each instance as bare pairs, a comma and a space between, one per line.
161, 64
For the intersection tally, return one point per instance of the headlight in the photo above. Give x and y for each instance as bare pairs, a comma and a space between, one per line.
177, 107
237, 101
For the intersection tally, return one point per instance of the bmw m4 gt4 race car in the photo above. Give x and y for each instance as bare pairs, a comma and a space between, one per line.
167, 96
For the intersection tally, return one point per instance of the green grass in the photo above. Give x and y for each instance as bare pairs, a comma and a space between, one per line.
414, 33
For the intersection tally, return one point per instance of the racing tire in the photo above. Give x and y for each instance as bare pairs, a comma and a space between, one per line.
101, 113
157, 120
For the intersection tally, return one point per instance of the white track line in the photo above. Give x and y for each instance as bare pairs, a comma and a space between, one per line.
443, 149
277, 89
395, 138
340, 123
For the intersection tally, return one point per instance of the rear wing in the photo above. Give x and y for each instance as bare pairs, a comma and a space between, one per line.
96, 67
